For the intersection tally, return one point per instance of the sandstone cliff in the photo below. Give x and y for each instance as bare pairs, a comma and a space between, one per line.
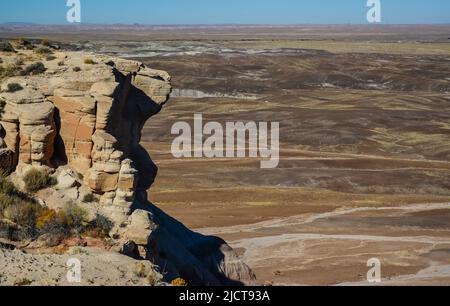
81, 120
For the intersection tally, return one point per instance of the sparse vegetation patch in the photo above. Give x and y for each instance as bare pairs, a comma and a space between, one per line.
13, 87
34, 69
22, 218
5, 46
36, 180
43, 51
9, 71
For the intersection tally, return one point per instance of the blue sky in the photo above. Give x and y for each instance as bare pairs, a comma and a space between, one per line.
225, 11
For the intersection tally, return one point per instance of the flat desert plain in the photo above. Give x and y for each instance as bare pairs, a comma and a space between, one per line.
364, 118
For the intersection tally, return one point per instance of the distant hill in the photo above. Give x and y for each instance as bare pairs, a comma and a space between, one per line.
23, 24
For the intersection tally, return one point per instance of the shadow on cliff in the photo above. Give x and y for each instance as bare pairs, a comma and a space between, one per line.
201, 260
143, 108
59, 157
178, 251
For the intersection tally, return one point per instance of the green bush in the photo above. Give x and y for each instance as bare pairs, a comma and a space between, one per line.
34, 69
50, 58
13, 87
36, 180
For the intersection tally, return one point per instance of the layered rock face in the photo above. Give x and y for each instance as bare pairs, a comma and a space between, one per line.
90, 120
82, 120
28, 127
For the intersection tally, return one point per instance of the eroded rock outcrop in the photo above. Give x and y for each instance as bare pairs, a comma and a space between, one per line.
90, 120
82, 120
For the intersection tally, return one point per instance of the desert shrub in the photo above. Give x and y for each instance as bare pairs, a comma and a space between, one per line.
10, 195
24, 43
23, 282
7, 231
76, 69
178, 282
89, 61
140, 270
74, 217
21, 217
36, 180
99, 227
6, 187
51, 222
50, 58
18, 208
6, 47
71, 220
24, 214
10, 71
153, 278
47, 217
13, 87
61, 63
34, 69
1, 60
46, 43
43, 51
88, 198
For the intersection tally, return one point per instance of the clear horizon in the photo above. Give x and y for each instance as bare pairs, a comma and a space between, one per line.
231, 12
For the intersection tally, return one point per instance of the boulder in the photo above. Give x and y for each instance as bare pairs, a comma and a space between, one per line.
66, 180
140, 227
105, 88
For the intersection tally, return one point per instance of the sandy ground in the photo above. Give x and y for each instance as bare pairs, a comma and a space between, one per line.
98, 268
